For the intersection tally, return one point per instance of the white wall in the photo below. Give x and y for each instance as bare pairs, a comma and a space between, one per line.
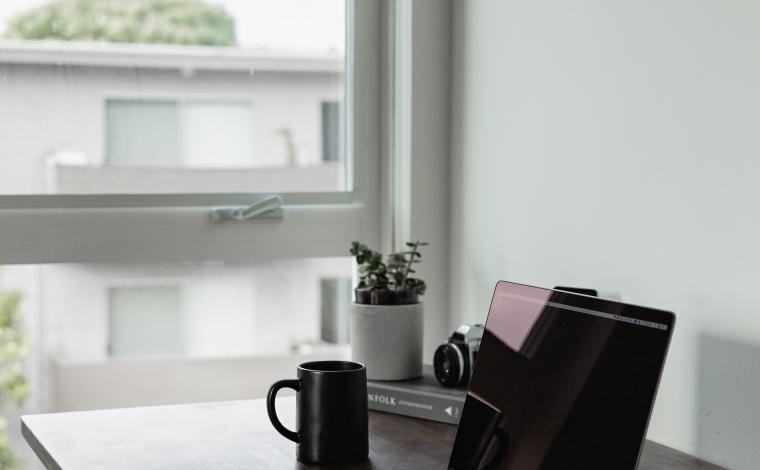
615, 145
229, 309
37, 121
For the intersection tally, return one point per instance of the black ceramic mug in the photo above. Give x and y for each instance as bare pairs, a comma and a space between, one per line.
331, 412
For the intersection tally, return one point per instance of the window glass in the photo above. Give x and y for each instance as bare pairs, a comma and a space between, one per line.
132, 97
200, 310
112, 335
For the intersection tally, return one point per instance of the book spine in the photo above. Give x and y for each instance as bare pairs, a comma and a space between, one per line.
424, 406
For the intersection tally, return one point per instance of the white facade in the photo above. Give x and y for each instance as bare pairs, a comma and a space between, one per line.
54, 115
250, 320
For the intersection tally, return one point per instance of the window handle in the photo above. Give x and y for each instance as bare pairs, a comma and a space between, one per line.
268, 207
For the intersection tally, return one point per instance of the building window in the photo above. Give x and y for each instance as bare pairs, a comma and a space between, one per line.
331, 126
335, 297
117, 156
180, 133
145, 321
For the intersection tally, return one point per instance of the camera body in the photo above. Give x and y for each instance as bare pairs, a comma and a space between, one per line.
453, 360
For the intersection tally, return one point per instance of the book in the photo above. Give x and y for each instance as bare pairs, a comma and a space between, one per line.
423, 398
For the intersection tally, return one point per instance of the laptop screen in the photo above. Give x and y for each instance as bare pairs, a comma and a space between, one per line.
561, 381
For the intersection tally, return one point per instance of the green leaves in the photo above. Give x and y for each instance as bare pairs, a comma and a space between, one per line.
14, 349
372, 271
418, 286
9, 302
131, 21
416, 244
400, 265
394, 274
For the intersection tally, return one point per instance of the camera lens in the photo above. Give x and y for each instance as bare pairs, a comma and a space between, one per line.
448, 365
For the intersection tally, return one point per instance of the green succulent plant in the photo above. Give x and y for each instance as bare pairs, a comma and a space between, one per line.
388, 282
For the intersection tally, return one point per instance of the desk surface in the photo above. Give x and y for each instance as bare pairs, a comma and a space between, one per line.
237, 435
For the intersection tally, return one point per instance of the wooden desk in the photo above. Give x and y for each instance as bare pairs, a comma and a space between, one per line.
237, 435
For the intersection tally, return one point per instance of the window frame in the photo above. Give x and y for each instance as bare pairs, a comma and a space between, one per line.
176, 227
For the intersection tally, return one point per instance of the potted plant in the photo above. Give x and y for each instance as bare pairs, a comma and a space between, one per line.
387, 316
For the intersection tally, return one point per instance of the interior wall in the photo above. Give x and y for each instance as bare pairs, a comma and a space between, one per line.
614, 145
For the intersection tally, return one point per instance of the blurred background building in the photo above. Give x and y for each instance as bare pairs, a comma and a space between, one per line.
104, 115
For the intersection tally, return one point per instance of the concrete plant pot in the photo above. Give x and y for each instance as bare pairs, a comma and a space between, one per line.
387, 339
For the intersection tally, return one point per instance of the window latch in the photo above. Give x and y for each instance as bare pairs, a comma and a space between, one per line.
269, 207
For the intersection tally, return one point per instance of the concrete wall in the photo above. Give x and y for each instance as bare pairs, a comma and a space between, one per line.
614, 145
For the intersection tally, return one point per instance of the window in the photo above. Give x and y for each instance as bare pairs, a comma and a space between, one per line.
335, 296
219, 134
84, 116
190, 310
190, 331
123, 150
330, 131
115, 157
186, 134
145, 321
144, 133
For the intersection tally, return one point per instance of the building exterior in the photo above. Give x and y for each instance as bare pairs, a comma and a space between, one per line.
80, 118
160, 118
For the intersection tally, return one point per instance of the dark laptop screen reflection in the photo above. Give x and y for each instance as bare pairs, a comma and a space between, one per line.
548, 382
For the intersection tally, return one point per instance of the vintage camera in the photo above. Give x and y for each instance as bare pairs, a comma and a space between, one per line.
453, 360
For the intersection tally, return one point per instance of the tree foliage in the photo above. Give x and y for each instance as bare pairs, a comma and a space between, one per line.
14, 349
131, 21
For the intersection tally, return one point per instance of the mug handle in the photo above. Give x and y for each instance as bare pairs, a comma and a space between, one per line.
272, 412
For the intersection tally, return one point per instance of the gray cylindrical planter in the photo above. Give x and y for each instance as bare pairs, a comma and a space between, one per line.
387, 339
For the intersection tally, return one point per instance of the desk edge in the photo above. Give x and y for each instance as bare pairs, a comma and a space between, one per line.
39, 450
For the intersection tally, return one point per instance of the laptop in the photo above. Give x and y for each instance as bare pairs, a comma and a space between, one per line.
561, 381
